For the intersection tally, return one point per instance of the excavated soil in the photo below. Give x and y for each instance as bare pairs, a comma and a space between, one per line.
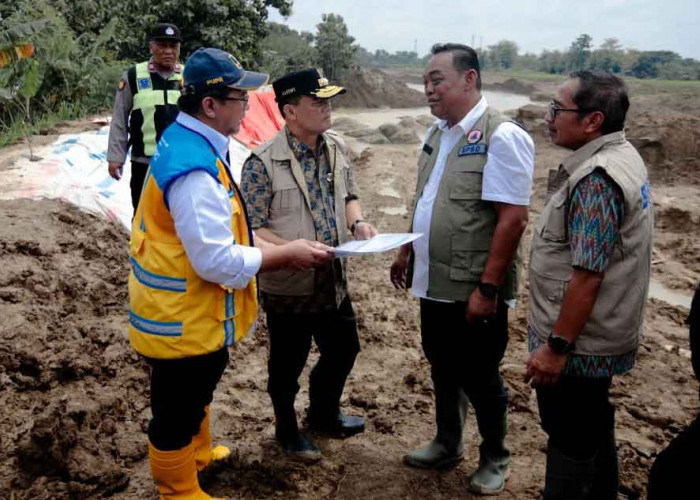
75, 396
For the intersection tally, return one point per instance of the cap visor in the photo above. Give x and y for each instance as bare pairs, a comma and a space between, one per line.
250, 81
328, 91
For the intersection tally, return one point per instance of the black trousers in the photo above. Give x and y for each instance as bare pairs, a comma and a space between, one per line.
180, 389
577, 415
465, 358
138, 175
675, 470
579, 419
335, 334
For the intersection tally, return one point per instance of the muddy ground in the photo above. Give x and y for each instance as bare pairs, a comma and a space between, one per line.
74, 396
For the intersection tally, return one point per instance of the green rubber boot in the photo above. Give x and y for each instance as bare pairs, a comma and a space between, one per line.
494, 457
445, 450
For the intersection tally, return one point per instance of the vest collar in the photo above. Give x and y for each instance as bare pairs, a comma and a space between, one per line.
583, 153
219, 141
285, 145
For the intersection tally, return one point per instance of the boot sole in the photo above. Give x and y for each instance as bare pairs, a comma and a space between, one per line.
477, 490
445, 463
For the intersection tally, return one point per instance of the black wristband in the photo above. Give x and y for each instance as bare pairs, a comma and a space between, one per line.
488, 290
559, 344
354, 225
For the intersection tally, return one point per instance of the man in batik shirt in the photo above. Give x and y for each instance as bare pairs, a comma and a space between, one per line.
589, 275
301, 183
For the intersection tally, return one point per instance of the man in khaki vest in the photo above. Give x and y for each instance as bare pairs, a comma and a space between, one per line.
474, 181
589, 275
301, 184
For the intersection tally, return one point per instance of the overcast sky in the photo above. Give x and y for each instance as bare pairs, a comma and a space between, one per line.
534, 25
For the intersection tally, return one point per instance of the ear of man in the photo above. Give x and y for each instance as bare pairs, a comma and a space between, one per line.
594, 122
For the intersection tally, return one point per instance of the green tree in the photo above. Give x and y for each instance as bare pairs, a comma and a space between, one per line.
237, 26
334, 45
285, 49
608, 57
579, 52
504, 54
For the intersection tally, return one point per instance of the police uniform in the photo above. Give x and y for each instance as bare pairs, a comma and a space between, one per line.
145, 104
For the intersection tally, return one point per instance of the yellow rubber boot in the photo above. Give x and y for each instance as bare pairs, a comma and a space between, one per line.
175, 474
203, 452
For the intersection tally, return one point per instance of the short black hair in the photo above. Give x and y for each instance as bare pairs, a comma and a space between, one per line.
192, 103
463, 58
604, 92
291, 100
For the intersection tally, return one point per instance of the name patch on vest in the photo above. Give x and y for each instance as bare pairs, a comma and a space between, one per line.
427, 149
472, 149
144, 83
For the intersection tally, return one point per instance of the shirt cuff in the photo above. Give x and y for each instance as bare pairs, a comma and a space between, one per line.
252, 260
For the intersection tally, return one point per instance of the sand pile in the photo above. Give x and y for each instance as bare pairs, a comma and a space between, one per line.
376, 89
74, 395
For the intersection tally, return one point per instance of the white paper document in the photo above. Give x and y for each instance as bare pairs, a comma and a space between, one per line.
380, 243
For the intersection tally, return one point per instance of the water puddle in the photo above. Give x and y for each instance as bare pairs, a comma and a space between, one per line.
660, 292
394, 210
502, 101
389, 191
373, 118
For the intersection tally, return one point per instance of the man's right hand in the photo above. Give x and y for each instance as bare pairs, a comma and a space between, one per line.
399, 266
303, 254
115, 170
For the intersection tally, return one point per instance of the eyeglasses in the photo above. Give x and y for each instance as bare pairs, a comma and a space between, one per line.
553, 109
242, 99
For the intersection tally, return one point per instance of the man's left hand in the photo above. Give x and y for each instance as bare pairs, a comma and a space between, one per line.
480, 309
544, 366
364, 231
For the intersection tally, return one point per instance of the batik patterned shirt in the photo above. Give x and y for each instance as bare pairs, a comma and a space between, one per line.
256, 187
596, 212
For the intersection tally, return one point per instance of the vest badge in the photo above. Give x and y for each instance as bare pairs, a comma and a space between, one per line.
474, 136
472, 149
144, 83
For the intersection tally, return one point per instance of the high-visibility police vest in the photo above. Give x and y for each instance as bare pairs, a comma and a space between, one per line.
173, 312
155, 107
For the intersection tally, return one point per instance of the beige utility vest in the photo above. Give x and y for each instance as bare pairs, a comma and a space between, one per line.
615, 325
462, 224
290, 210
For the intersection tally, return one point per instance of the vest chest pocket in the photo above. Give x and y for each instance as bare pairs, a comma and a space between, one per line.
553, 225
286, 195
465, 186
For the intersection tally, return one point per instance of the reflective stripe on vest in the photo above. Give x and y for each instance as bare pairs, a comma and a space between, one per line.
146, 99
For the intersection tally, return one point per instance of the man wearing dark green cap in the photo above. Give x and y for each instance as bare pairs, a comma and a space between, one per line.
301, 184
145, 104
192, 287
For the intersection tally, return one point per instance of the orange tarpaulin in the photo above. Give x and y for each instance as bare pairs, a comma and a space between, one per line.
262, 120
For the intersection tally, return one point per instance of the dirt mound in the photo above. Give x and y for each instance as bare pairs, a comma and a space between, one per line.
512, 85
72, 391
669, 142
375, 89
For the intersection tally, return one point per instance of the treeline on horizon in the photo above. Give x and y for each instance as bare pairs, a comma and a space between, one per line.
80, 47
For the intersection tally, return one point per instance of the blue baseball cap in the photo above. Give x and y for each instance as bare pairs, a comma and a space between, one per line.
210, 68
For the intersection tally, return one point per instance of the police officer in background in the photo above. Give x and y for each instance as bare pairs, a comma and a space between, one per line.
145, 104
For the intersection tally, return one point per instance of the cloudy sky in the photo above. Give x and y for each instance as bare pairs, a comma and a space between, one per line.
534, 25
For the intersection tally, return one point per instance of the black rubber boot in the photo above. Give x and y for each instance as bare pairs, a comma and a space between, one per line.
607, 478
568, 479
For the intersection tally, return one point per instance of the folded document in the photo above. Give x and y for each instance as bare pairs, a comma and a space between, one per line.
380, 243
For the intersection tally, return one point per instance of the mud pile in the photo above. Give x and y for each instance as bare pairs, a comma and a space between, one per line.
73, 394
375, 89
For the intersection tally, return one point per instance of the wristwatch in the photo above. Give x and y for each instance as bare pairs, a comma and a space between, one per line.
488, 290
559, 344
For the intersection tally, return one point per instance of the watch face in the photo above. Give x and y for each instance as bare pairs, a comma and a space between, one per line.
559, 345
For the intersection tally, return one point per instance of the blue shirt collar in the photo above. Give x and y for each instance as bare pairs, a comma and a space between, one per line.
218, 140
